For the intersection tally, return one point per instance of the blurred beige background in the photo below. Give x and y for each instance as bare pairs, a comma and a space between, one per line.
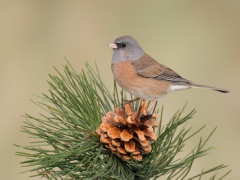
199, 39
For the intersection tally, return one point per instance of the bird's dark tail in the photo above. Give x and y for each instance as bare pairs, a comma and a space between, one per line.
209, 87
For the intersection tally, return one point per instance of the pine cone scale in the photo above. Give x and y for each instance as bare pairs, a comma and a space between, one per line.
128, 133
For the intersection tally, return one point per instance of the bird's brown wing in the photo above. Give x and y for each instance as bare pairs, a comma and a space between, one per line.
147, 67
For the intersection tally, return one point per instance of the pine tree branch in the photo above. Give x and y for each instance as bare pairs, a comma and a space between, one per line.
65, 144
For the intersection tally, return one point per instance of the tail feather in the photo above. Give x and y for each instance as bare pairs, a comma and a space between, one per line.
209, 87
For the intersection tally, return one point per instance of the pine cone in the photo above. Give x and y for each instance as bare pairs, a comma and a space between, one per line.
127, 133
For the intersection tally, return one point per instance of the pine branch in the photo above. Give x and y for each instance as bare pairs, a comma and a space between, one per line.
66, 146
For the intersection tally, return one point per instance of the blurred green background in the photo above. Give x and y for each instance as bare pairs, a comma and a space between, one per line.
199, 39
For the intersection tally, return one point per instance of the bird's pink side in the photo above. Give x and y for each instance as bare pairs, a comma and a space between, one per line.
129, 80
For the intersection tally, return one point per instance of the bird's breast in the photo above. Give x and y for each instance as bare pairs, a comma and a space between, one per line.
145, 88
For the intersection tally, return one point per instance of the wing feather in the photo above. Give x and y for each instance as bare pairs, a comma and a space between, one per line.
147, 67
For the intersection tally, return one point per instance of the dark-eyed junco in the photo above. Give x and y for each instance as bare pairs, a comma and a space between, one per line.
140, 75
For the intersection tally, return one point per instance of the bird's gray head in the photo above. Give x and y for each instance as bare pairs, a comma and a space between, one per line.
125, 48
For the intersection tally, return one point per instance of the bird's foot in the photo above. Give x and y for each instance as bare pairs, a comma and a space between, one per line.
128, 101
152, 107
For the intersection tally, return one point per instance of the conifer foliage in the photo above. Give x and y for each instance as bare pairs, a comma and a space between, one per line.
86, 132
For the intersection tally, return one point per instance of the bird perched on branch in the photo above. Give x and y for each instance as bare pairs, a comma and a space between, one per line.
142, 76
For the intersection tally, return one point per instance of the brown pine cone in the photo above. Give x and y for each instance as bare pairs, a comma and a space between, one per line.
128, 134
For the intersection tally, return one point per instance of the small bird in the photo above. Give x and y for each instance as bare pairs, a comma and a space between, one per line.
142, 76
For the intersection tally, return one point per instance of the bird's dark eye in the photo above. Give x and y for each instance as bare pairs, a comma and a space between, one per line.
121, 45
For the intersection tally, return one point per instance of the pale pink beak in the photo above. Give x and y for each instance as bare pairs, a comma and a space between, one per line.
112, 45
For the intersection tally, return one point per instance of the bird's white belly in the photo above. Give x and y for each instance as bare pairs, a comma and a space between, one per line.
177, 87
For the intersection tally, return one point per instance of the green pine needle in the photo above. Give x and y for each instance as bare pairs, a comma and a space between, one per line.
65, 145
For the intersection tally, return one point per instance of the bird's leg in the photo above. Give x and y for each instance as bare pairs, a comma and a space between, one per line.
129, 101
153, 105
133, 100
